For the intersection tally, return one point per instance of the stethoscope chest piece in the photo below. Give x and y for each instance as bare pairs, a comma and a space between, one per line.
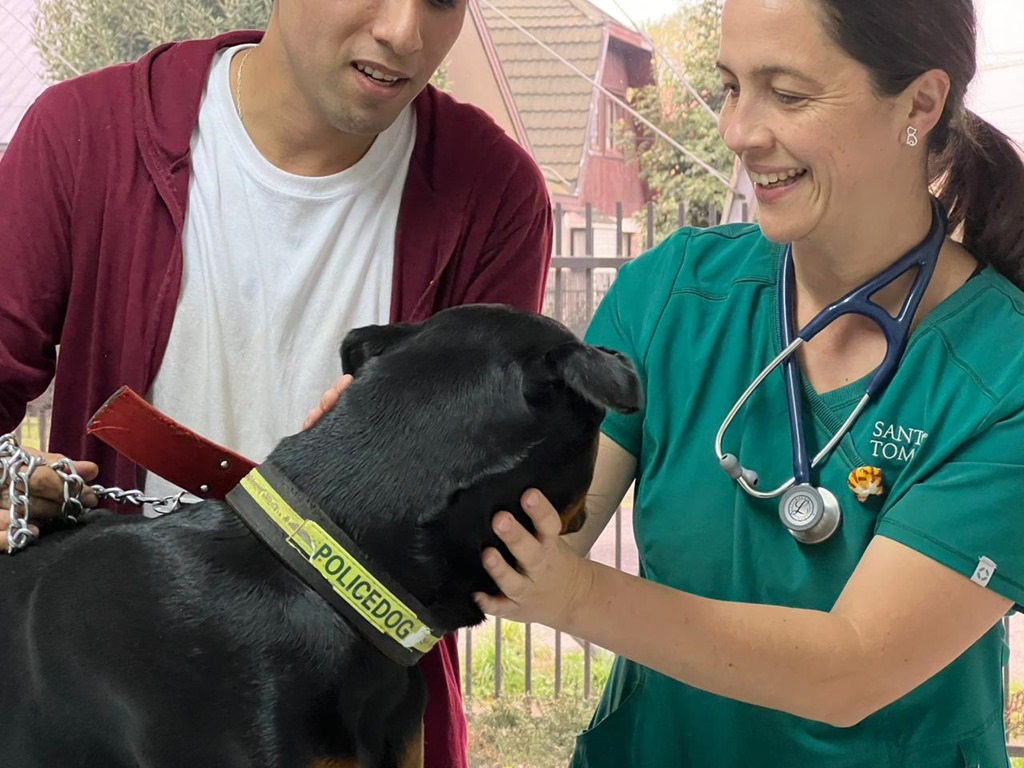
811, 514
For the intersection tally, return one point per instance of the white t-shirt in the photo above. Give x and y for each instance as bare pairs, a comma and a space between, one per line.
277, 268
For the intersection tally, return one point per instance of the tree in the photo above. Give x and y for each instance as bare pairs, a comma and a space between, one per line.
689, 38
77, 36
441, 79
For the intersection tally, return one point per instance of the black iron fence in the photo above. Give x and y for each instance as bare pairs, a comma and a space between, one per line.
581, 272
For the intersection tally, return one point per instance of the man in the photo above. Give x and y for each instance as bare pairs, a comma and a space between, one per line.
205, 224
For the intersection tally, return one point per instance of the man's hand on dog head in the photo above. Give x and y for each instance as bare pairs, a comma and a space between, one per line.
328, 400
46, 494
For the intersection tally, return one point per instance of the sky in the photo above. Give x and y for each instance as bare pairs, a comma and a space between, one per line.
997, 93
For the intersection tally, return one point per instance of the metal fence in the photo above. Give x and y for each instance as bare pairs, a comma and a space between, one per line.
578, 281
576, 284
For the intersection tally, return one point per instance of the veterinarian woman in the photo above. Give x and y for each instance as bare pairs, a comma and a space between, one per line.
758, 641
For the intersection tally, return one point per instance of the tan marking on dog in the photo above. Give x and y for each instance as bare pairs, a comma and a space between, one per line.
574, 516
413, 758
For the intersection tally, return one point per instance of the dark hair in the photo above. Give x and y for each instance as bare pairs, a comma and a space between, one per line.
978, 170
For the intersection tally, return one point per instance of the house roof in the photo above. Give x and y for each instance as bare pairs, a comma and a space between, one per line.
553, 101
20, 64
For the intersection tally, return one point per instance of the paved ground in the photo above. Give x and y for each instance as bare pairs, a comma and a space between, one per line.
604, 549
1017, 649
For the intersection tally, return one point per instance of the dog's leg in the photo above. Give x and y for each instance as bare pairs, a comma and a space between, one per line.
414, 756
409, 755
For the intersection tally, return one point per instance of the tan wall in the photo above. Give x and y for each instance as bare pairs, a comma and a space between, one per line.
473, 80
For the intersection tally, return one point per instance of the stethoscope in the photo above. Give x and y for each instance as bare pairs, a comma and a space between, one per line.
812, 514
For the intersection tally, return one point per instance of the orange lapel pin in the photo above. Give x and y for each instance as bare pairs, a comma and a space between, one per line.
865, 482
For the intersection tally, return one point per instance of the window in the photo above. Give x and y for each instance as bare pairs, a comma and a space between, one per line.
578, 242
602, 134
613, 115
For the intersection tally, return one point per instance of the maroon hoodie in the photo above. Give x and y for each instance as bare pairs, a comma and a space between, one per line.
93, 191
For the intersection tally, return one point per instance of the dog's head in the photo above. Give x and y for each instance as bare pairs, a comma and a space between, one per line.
449, 421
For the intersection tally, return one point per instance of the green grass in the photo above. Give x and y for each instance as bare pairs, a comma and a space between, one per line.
525, 732
516, 730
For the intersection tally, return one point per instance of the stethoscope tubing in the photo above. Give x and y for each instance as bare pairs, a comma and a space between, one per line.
858, 301
818, 458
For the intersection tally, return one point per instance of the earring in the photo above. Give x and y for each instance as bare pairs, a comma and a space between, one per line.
911, 136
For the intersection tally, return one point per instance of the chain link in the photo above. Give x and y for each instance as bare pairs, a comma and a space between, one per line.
162, 505
16, 468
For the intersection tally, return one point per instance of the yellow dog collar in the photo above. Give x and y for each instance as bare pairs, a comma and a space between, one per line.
324, 557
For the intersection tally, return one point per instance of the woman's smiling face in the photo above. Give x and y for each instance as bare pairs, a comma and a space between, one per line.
817, 141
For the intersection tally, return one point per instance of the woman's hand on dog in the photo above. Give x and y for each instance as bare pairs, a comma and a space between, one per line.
46, 494
552, 581
328, 400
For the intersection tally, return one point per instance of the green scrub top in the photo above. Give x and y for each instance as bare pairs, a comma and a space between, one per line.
699, 317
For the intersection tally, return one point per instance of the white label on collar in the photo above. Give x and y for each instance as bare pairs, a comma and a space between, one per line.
415, 638
983, 573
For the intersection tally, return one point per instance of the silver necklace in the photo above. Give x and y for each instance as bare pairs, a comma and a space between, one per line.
238, 82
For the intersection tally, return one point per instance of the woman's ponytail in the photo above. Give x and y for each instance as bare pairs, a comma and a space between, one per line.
980, 177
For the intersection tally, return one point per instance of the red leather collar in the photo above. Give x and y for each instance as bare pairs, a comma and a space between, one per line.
138, 431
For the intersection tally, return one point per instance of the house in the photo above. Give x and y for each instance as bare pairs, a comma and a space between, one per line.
507, 62
20, 64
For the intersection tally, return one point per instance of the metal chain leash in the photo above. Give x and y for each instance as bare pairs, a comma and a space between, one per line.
16, 468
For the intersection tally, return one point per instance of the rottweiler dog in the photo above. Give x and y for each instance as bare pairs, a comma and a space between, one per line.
185, 641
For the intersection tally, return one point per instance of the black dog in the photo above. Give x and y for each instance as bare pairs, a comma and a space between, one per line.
185, 642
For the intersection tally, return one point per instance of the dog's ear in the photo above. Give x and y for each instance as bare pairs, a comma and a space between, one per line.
362, 344
601, 376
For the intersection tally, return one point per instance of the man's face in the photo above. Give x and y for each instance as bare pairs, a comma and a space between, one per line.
358, 63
